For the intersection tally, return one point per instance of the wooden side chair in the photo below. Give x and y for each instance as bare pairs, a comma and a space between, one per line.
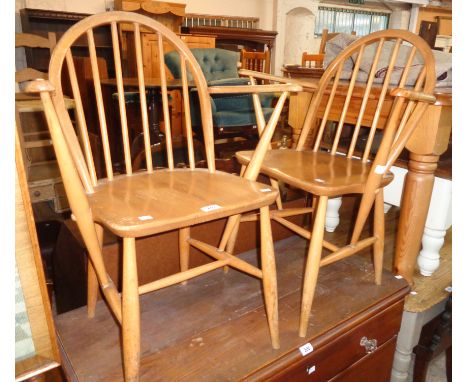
154, 200
257, 61
326, 169
310, 60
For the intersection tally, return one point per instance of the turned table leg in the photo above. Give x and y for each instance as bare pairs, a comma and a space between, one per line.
438, 221
332, 217
415, 201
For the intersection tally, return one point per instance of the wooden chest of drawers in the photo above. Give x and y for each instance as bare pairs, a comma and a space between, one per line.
214, 328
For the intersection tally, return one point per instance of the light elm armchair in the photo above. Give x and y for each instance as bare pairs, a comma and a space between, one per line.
233, 115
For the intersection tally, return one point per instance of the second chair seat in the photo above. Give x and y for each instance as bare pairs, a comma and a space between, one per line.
151, 203
315, 172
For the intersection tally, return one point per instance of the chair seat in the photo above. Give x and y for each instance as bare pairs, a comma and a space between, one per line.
146, 204
317, 172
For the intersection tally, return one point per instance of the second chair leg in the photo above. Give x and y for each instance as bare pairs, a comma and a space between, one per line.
379, 231
130, 312
312, 264
270, 288
93, 284
184, 249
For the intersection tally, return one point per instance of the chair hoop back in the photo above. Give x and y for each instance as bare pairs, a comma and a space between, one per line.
83, 33
381, 53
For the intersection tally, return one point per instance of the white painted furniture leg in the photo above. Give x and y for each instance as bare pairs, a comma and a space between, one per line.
439, 220
408, 338
332, 217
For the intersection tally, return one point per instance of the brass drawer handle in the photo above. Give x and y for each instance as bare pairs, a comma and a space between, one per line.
369, 345
37, 193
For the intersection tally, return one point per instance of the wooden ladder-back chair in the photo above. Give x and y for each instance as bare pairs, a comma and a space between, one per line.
42, 172
154, 200
326, 169
310, 60
26, 102
257, 61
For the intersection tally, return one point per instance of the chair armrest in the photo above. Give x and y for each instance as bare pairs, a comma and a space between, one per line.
39, 86
306, 85
229, 82
413, 95
256, 89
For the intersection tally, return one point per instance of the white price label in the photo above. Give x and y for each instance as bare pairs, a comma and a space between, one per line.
145, 217
306, 349
398, 276
265, 190
211, 207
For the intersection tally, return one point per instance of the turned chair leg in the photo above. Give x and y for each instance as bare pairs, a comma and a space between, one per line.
229, 236
130, 312
232, 239
93, 284
270, 289
184, 250
313, 264
379, 231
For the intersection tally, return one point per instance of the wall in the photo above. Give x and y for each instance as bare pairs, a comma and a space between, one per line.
294, 20
299, 37
248, 8
302, 12
431, 14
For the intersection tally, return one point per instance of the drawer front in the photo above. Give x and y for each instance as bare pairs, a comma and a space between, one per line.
344, 350
41, 193
375, 367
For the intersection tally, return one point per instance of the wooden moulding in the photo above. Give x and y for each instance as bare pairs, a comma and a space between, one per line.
29, 264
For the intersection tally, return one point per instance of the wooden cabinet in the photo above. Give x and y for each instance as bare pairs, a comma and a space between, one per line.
214, 327
198, 41
351, 352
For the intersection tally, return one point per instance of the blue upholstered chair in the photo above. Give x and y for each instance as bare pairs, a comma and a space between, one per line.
233, 115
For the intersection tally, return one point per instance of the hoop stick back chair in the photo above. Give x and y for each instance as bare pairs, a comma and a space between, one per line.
148, 202
325, 169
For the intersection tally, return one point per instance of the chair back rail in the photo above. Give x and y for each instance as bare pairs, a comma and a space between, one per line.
257, 61
403, 115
